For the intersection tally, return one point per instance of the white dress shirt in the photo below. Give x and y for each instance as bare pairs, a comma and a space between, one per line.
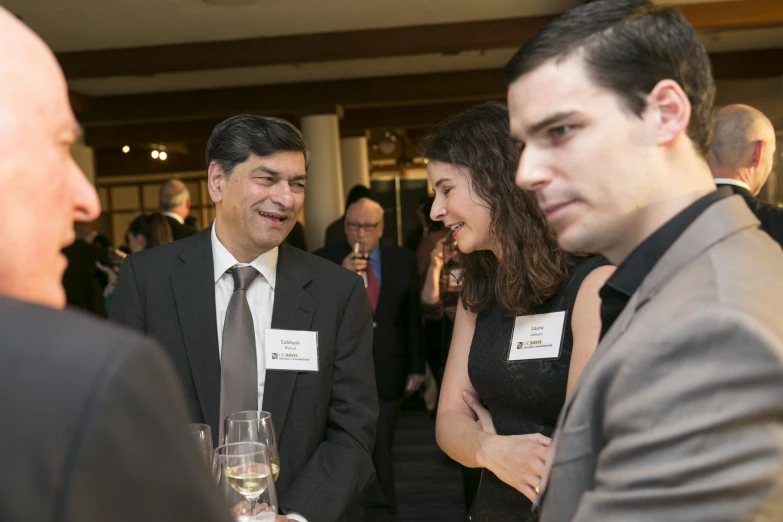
175, 217
731, 181
260, 298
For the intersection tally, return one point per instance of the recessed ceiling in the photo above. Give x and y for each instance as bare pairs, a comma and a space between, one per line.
471, 60
108, 24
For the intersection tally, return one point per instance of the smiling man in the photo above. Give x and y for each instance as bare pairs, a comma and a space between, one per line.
222, 301
679, 415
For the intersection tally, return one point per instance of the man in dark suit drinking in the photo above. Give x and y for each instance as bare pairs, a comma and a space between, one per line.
392, 286
93, 419
223, 301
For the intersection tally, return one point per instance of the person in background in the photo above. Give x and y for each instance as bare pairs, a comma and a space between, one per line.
392, 287
420, 231
145, 231
527, 321
679, 416
94, 424
82, 282
335, 232
174, 203
741, 158
297, 237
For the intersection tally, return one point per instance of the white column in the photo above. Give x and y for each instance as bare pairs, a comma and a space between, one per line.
324, 193
356, 163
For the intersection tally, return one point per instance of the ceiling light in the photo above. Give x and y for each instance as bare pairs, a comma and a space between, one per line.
125, 149
163, 156
154, 154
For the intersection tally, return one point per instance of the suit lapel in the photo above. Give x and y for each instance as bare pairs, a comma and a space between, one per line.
293, 310
194, 292
720, 220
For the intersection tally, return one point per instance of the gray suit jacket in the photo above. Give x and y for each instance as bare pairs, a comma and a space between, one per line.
324, 421
679, 414
93, 425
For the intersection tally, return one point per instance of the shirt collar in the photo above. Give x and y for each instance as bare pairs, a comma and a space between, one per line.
222, 260
633, 270
731, 181
175, 217
375, 255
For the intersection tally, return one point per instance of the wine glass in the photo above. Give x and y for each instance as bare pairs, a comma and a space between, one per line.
253, 426
202, 435
244, 477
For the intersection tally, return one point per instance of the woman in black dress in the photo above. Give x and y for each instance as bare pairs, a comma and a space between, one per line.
504, 383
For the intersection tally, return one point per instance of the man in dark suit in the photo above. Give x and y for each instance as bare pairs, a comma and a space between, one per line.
94, 424
217, 301
743, 151
174, 202
391, 276
83, 289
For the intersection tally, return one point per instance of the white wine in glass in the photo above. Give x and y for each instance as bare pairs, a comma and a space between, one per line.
249, 480
243, 471
253, 426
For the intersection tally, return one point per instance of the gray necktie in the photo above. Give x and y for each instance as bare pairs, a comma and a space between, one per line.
238, 375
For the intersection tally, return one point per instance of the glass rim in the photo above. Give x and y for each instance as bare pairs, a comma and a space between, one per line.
261, 415
260, 448
198, 426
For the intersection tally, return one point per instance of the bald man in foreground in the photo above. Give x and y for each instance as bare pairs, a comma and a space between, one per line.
743, 151
93, 422
392, 286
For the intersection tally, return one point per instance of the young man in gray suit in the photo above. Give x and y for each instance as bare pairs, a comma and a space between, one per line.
93, 419
679, 414
254, 323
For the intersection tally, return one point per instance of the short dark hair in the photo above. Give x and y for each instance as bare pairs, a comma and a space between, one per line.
628, 46
356, 193
233, 140
532, 266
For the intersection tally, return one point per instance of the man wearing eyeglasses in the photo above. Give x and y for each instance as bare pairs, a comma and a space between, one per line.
391, 280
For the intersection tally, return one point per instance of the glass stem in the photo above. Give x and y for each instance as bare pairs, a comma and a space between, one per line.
253, 502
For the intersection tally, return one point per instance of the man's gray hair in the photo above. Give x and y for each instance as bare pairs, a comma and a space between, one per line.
172, 194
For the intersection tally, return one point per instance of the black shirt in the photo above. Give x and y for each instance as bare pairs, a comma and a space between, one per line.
629, 275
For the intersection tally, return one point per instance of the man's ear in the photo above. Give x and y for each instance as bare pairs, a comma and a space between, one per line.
758, 152
216, 178
672, 110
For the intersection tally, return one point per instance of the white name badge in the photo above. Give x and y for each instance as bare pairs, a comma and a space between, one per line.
537, 337
293, 350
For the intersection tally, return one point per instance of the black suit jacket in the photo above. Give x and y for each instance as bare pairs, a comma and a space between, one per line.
335, 232
397, 339
82, 288
178, 230
94, 425
771, 217
324, 421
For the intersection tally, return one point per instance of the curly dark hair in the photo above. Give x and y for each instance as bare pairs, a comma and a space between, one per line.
532, 265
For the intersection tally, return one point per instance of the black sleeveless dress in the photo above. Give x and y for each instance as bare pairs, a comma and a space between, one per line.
524, 397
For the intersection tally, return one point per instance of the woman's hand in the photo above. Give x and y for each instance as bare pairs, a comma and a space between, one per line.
517, 460
110, 274
483, 414
436, 256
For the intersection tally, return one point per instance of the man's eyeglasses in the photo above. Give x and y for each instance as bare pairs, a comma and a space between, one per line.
367, 227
